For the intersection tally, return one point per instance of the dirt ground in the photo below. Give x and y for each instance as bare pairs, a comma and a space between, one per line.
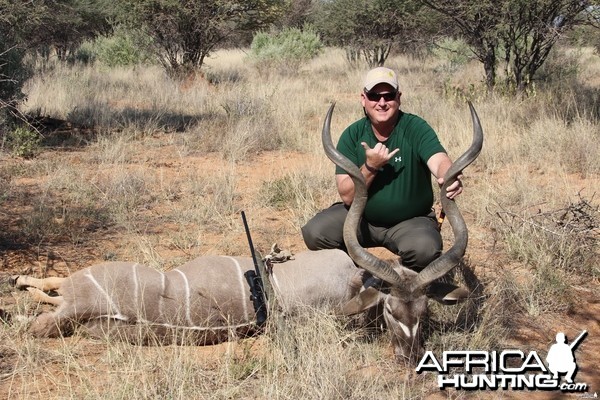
57, 258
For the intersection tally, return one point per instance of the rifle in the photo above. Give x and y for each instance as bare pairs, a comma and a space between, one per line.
254, 279
578, 339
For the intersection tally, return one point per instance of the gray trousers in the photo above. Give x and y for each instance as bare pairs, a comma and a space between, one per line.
417, 241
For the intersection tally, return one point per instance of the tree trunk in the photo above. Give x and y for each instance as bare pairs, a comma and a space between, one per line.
489, 66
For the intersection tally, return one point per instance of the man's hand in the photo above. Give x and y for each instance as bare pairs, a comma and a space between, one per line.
453, 190
439, 164
377, 156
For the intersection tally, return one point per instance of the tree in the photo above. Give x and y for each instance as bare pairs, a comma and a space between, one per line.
525, 29
478, 22
531, 29
14, 17
184, 32
60, 26
368, 28
33, 26
297, 13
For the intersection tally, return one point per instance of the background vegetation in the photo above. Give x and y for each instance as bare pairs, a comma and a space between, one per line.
108, 154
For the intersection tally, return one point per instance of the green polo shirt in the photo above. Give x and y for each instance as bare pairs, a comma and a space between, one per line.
402, 189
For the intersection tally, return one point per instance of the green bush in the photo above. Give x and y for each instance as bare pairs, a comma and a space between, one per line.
24, 142
123, 48
288, 48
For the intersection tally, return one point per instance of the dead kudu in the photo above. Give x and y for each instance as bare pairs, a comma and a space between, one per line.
207, 300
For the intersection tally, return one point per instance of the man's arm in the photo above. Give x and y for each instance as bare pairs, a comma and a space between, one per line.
439, 164
345, 185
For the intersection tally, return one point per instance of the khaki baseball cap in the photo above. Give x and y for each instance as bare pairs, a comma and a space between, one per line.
381, 75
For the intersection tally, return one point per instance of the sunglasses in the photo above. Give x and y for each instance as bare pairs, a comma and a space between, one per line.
389, 96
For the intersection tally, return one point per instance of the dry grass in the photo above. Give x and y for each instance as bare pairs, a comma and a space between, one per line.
172, 164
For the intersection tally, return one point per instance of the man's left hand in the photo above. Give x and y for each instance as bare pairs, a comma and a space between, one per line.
453, 190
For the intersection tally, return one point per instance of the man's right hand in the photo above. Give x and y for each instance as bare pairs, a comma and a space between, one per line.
377, 156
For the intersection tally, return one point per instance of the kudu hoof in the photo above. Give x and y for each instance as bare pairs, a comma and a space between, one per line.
12, 281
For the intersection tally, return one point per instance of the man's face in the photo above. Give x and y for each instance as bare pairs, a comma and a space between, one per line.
381, 109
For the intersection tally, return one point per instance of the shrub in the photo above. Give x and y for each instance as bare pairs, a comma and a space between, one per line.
24, 142
123, 48
286, 49
563, 239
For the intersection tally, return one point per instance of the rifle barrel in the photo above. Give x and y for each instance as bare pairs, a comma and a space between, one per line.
578, 339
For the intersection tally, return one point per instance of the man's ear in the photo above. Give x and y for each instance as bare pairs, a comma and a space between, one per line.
447, 293
362, 301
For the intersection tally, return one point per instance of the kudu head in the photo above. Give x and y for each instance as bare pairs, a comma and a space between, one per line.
403, 292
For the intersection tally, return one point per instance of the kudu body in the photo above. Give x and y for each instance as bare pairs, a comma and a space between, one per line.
203, 301
207, 298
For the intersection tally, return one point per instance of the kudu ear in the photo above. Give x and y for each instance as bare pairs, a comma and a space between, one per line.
364, 300
446, 293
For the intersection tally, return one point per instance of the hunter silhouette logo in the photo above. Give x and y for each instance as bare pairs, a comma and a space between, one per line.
560, 357
507, 369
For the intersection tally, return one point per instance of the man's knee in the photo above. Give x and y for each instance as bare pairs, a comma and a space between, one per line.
317, 236
310, 236
425, 251
324, 230
421, 249
318, 240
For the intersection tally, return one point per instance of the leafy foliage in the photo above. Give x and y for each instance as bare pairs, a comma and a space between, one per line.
532, 28
524, 30
455, 52
287, 48
60, 26
122, 48
46, 27
368, 29
185, 32
24, 142
13, 71
297, 13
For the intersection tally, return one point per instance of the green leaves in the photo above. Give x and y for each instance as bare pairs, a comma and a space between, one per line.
185, 32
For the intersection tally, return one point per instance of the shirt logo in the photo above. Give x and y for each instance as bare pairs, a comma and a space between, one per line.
397, 159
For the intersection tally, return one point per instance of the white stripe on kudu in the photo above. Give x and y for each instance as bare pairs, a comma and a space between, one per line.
136, 284
161, 295
188, 314
243, 287
111, 303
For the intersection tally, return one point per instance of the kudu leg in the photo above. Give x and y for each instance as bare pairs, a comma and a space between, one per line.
45, 285
42, 297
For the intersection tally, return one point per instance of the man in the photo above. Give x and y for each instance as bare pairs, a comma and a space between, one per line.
560, 358
397, 153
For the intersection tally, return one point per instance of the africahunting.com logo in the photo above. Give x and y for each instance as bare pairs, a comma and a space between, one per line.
508, 369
